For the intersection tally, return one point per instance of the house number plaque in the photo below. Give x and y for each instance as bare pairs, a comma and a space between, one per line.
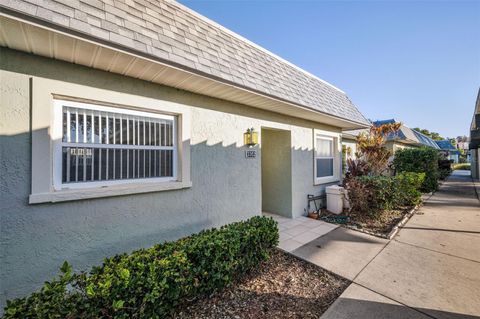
81, 151
250, 154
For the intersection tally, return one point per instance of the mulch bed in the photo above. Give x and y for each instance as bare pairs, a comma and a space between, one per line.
282, 287
381, 226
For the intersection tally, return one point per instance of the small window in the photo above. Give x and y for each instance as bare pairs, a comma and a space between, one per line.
327, 159
103, 145
324, 157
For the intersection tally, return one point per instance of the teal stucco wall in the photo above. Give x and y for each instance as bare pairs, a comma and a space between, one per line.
226, 187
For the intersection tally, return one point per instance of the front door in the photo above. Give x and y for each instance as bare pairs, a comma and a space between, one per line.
276, 156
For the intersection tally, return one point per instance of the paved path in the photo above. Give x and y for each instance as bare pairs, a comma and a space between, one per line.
297, 232
430, 270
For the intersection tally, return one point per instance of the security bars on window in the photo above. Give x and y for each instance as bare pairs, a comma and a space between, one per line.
109, 146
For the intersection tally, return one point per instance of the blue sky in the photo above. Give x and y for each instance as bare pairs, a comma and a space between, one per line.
415, 61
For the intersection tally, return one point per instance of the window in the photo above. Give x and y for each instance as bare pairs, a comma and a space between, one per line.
103, 145
326, 158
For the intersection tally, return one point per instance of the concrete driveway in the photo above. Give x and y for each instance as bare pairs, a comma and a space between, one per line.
430, 270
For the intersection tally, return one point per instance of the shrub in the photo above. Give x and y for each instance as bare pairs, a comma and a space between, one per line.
407, 187
359, 195
371, 147
149, 283
356, 167
419, 160
461, 166
373, 195
444, 168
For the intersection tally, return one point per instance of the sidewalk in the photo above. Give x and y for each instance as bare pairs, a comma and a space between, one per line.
299, 231
430, 270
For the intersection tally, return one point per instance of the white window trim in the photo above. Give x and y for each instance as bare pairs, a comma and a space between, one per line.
337, 149
58, 129
45, 136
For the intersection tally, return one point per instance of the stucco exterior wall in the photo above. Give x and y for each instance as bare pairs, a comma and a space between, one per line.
351, 145
226, 187
394, 146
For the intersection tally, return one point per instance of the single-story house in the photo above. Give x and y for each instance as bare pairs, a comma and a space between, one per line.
449, 150
474, 144
406, 137
127, 123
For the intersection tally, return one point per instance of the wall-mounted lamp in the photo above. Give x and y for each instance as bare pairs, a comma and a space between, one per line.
250, 138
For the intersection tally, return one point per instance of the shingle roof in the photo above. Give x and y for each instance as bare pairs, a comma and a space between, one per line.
171, 32
445, 145
407, 134
425, 140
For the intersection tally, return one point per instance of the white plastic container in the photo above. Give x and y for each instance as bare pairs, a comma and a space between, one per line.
335, 199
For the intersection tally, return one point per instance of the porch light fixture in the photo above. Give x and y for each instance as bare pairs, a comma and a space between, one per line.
250, 137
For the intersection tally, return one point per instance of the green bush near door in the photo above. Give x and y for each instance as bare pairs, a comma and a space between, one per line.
419, 160
150, 283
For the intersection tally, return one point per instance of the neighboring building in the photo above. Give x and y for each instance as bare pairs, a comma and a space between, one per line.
464, 147
405, 137
449, 150
475, 140
349, 142
123, 126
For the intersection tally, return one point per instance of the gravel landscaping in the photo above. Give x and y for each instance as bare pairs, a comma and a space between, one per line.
282, 287
381, 226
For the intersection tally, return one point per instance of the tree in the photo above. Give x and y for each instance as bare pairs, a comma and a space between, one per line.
371, 147
453, 141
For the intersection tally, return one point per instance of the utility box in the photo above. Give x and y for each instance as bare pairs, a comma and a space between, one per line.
335, 199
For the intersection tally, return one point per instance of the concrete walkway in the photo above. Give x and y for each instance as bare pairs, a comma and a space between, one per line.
297, 232
430, 270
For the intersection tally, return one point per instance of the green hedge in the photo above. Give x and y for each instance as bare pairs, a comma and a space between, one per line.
374, 194
461, 166
407, 186
419, 160
150, 283
444, 168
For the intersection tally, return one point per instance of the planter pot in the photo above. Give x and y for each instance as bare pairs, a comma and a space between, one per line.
313, 215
